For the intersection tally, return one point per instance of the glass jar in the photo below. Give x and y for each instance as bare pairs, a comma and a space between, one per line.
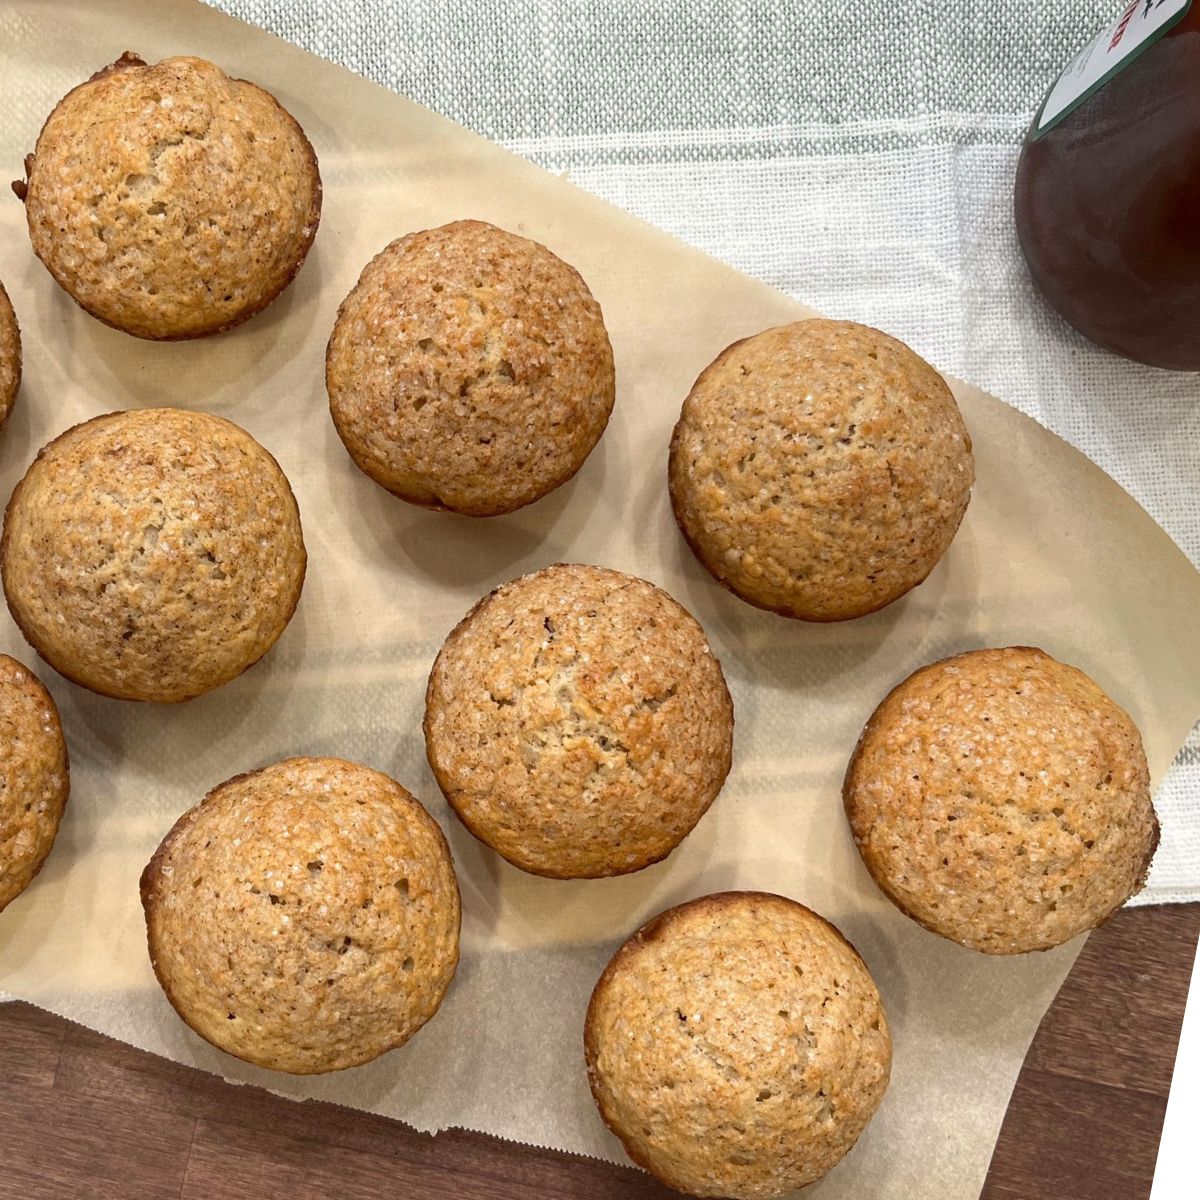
1108, 187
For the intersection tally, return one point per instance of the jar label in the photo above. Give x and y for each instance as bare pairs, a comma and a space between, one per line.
1140, 25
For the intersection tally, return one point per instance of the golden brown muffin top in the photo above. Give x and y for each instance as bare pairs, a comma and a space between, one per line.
469, 369
578, 723
304, 917
154, 554
737, 1046
34, 778
171, 201
820, 469
1001, 799
10, 356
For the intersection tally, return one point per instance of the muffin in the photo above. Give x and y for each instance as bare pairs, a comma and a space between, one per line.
469, 370
737, 1046
820, 469
10, 356
34, 779
304, 917
1001, 799
171, 201
152, 555
578, 723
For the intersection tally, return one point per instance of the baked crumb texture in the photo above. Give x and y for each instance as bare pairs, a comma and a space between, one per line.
578, 722
1001, 799
34, 778
152, 555
304, 917
470, 370
171, 201
10, 356
820, 469
737, 1046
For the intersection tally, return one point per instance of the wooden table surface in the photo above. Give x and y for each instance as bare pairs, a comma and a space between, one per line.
83, 1116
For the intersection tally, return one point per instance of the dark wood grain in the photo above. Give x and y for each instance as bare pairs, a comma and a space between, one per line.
1087, 1111
83, 1116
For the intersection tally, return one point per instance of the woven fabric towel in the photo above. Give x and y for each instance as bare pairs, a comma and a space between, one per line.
858, 154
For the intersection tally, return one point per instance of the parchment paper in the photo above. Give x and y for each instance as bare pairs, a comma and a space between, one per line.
1052, 553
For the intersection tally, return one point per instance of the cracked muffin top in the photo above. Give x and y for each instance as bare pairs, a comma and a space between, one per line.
737, 1046
152, 555
304, 917
1001, 799
171, 201
34, 778
469, 369
578, 723
820, 469
10, 356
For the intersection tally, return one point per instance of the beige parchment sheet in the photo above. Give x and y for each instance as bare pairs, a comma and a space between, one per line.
1052, 553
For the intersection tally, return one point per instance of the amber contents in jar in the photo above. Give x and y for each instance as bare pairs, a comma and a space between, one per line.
1108, 206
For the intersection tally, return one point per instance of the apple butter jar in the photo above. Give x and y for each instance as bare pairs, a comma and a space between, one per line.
1108, 187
